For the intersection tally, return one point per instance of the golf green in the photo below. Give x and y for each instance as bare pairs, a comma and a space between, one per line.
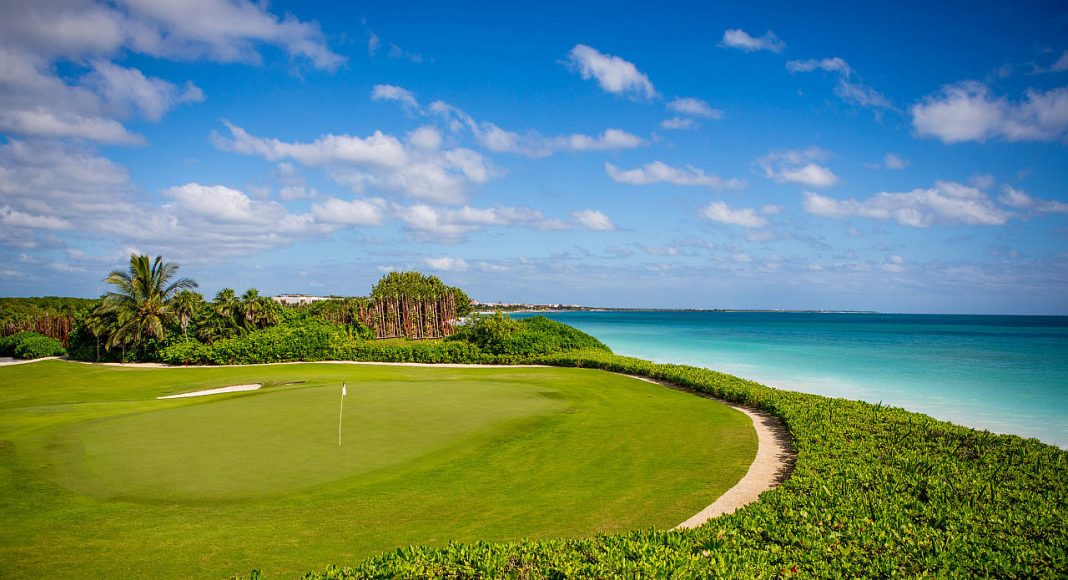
102, 479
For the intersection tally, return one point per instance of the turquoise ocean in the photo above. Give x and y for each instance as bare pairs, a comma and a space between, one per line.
1007, 374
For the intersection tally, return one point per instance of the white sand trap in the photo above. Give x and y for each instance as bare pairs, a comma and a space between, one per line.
8, 361
233, 389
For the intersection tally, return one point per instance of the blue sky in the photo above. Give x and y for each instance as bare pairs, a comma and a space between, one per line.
900, 157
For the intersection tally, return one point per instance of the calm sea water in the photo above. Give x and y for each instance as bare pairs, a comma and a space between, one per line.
1008, 374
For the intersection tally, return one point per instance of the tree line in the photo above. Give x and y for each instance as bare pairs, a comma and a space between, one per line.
149, 306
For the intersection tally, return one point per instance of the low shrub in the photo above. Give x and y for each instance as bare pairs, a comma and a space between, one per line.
30, 345
310, 341
8, 343
499, 334
190, 352
417, 351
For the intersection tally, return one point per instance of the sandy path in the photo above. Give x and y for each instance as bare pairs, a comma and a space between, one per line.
770, 467
233, 389
772, 464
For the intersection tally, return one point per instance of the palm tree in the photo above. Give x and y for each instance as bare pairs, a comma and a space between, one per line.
185, 303
140, 301
99, 323
227, 313
225, 303
251, 308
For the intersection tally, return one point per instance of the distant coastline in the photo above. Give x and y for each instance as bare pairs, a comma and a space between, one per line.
487, 308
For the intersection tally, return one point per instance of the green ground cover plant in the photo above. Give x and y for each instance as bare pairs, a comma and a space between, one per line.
100, 479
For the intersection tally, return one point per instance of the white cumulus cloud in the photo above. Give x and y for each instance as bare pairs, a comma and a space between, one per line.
128, 89
531, 143
740, 39
677, 123
394, 93
12, 218
453, 225
694, 108
848, 88
592, 219
37, 40
891, 161
719, 211
222, 30
1019, 199
613, 74
967, 111
446, 264
798, 166
660, 172
945, 203
355, 212
416, 168
41, 122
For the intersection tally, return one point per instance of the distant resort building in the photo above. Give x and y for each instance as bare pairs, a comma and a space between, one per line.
296, 299
510, 306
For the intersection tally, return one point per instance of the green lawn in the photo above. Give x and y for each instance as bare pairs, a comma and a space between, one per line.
100, 479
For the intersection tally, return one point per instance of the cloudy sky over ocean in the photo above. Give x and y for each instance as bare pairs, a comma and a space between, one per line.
896, 157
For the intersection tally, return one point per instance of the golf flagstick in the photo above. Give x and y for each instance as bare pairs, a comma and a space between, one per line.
340, 413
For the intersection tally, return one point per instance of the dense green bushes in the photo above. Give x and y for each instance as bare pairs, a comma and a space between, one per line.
488, 339
418, 351
875, 492
30, 345
19, 309
311, 340
498, 334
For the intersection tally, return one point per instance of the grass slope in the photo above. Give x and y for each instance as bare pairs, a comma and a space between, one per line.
96, 475
876, 492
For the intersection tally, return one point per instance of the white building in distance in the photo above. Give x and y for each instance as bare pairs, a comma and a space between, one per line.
296, 299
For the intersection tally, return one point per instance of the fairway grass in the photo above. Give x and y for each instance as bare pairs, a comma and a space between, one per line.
99, 477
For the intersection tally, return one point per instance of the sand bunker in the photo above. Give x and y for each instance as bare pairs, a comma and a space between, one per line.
233, 389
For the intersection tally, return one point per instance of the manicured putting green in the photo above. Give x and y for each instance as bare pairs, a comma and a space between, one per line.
101, 478
283, 440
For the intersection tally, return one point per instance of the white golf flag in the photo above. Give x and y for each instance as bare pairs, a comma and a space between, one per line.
341, 412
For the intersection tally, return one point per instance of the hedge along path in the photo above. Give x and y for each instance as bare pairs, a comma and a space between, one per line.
771, 466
